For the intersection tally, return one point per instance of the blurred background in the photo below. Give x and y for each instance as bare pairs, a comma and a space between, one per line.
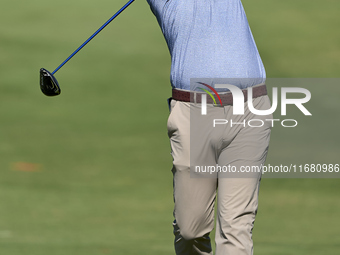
88, 172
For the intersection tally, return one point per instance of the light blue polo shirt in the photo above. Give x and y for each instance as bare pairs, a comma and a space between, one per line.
209, 39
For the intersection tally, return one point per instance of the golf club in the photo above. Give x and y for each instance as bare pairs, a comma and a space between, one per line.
48, 83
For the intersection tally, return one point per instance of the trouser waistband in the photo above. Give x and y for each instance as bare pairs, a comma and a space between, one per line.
226, 97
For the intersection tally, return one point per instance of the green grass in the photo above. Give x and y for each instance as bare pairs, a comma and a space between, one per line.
105, 186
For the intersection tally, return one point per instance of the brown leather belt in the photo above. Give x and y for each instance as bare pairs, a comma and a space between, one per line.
226, 98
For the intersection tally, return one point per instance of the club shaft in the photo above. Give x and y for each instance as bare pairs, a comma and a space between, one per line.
92, 36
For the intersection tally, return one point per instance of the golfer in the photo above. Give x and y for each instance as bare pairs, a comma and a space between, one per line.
210, 40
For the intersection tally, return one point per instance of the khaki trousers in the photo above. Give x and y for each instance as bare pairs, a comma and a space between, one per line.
195, 142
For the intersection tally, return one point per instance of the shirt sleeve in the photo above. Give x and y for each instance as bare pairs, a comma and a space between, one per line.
157, 5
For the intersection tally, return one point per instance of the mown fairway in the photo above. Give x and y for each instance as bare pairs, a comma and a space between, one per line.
88, 172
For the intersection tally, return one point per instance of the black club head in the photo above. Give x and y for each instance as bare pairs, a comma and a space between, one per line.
48, 83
